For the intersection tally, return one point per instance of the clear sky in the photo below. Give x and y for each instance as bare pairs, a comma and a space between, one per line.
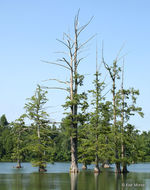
28, 32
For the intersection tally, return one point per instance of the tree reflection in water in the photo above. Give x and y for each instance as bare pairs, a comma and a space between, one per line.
73, 180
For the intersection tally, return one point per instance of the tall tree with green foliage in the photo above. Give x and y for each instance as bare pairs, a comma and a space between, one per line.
126, 108
19, 140
99, 123
114, 72
41, 142
95, 120
84, 154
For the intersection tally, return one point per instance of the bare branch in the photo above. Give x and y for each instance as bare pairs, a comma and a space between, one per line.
120, 51
64, 59
60, 81
122, 57
105, 64
53, 63
83, 44
61, 52
70, 47
58, 88
96, 58
76, 20
105, 77
62, 43
84, 26
80, 60
106, 93
65, 34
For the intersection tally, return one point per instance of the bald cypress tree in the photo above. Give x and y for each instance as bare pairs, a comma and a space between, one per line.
71, 61
114, 72
40, 138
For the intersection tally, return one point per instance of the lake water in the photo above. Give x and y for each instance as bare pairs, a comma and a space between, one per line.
58, 178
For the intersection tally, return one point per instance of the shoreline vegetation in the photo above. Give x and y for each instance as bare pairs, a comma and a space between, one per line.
61, 147
96, 126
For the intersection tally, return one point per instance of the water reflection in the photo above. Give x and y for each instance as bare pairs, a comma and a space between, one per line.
73, 180
96, 180
85, 180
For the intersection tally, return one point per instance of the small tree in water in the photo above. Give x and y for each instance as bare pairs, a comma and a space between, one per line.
18, 133
40, 143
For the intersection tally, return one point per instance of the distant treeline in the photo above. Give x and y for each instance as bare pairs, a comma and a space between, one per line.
60, 144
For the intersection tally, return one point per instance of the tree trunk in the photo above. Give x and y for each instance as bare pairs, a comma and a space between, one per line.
42, 169
123, 148
74, 163
84, 167
124, 165
74, 110
117, 170
106, 165
96, 169
124, 168
18, 164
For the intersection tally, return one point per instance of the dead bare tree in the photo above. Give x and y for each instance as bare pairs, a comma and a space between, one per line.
71, 61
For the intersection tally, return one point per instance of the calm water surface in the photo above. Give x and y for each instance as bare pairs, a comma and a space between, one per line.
58, 178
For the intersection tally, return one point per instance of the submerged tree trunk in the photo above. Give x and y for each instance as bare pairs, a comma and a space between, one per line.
74, 162
84, 167
117, 169
105, 164
18, 164
96, 169
124, 168
42, 169
124, 164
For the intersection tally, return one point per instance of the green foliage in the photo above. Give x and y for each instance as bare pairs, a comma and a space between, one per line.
3, 121
6, 141
41, 143
61, 140
19, 134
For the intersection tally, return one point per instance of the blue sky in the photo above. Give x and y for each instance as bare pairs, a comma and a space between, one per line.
28, 32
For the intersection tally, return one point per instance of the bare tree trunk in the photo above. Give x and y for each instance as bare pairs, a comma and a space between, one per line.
72, 62
73, 93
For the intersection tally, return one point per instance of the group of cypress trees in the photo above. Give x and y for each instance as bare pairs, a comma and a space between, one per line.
98, 137
103, 135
